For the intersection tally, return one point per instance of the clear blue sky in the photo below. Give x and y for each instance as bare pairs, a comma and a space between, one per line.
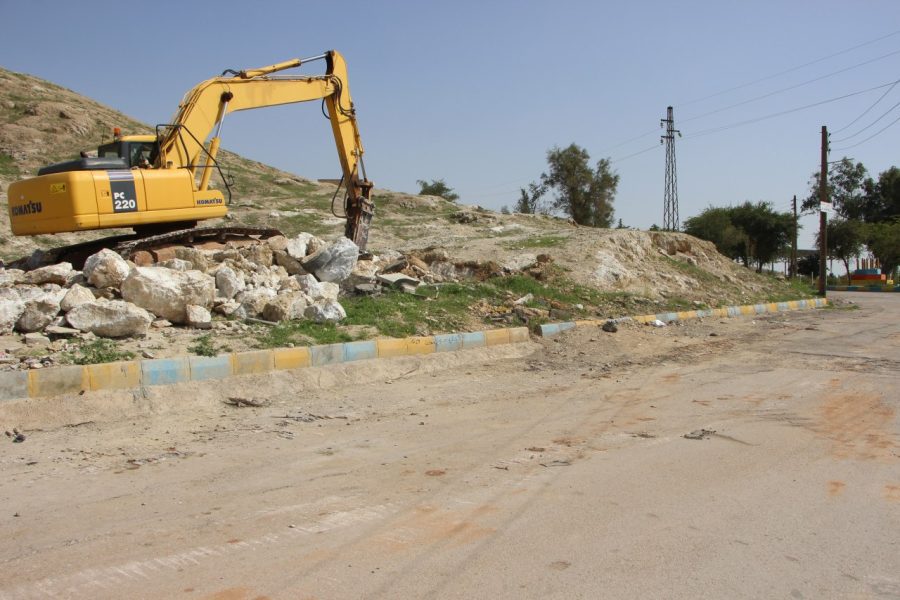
477, 92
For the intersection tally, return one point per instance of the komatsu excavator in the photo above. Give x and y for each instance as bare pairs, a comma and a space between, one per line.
159, 184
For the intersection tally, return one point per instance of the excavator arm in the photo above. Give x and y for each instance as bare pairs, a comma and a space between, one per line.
183, 143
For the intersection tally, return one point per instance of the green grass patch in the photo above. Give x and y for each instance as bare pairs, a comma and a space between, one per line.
540, 241
205, 345
8, 166
97, 351
300, 333
308, 222
793, 289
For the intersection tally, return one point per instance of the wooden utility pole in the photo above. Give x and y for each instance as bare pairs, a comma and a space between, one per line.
793, 269
823, 221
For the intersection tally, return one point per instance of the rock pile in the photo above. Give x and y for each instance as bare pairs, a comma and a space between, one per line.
281, 278
273, 280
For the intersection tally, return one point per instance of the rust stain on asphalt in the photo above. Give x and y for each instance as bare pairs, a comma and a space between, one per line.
858, 425
429, 526
892, 493
236, 594
835, 488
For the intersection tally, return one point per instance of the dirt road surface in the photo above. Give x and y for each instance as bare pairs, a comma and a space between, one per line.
555, 469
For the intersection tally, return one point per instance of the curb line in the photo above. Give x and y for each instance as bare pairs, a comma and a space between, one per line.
552, 329
74, 379
862, 288
54, 381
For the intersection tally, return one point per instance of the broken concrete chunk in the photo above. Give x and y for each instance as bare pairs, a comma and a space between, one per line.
399, 281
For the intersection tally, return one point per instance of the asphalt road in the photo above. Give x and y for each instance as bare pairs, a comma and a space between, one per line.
559, 469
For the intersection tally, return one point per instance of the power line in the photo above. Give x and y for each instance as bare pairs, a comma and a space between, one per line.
790, 70
785, 112
792, 87
653, 147
883, 115
885, 128
865, 112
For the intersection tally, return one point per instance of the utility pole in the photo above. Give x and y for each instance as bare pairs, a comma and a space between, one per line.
793, 270
670, 199
823, 220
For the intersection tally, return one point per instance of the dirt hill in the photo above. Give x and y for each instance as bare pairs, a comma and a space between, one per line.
41, 123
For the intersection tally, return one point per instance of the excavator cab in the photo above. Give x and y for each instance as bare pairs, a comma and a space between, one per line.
136, 150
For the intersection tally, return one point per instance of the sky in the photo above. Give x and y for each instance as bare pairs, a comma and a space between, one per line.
477, 92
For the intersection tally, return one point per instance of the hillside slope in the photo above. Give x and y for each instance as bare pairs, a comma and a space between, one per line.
41, 123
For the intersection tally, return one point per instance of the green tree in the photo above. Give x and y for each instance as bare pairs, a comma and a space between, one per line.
715, 224
882, 201
530, 200
768, 232
437, 187
809, 265
883, 239
846, 189
845, 240
583, 193
755, 234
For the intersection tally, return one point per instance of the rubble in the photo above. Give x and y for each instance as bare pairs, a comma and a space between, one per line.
167, 293
114, 319
106, 269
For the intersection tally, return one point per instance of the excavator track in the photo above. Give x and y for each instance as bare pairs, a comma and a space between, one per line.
128, 245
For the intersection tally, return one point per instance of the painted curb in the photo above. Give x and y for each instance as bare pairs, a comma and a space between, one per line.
862, 288
552, 329
16, 385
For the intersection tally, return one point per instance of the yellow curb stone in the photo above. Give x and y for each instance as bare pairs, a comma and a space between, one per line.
291, 358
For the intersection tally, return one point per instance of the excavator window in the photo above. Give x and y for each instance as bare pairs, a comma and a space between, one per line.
136, 154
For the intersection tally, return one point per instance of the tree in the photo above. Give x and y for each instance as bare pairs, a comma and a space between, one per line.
845, 240
809, 265
530, 199
883, 239
437, 187
585, 194
715, 224
882, 202
753, 233
768, 232
846, 189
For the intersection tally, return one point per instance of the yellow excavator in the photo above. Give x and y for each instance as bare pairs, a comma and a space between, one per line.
159, 185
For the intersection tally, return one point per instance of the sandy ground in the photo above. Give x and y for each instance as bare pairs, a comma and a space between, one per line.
555, 469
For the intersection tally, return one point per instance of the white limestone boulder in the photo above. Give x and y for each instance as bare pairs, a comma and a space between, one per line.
60, 274
76, 295
39, 312
327, 311
114, 319
167, 293
106, 269
229, 282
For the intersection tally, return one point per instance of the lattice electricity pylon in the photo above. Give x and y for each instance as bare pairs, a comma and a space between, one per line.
670, 200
